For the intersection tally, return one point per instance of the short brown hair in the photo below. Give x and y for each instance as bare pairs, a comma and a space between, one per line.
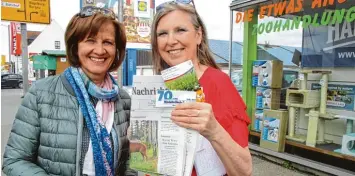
77, 30
203, 51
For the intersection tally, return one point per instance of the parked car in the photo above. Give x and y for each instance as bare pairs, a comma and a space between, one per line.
11, 80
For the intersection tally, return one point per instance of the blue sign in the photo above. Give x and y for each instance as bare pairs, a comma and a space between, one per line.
131, 64
339, 96
345, 54
329, 46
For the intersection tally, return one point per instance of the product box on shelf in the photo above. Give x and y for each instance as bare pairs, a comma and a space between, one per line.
273, 133
348, 144
267, 98
258, 119
267, 73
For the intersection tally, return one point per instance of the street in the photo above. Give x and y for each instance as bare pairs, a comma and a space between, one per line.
11, 99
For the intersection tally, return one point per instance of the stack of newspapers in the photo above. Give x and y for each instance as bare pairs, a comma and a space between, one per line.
158, 146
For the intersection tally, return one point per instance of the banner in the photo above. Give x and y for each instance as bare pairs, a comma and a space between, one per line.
15, 39
137, 18
332, 45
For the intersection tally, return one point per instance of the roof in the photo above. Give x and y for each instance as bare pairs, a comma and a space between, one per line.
220, 49
46, 40
54, 52
32, 34
244, 4
283, 53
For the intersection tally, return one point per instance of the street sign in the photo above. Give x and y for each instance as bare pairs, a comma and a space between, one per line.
28, 11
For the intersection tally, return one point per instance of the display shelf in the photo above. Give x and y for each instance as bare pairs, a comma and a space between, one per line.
327, 149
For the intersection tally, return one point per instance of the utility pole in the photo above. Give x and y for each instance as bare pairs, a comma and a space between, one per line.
24, 58
120, 19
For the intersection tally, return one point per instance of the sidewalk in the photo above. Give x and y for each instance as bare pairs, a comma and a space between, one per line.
10, 101
266, 168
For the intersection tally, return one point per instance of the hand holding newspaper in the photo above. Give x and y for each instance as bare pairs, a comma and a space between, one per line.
158, 145
205, 158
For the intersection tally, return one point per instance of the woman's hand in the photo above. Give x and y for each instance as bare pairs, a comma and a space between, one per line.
197, 116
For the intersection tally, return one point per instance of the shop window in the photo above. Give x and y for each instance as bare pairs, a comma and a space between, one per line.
315, 42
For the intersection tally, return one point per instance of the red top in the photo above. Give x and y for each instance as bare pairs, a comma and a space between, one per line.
228, 107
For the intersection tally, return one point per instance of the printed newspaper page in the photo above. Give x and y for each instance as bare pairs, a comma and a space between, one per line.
157, 144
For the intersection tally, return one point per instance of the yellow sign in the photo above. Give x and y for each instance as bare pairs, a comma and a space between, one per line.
142, 6
30, 11
3, 60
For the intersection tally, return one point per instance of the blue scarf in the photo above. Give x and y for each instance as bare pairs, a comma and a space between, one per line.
100, 138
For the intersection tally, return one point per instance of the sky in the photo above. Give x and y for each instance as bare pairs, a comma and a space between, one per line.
215, 14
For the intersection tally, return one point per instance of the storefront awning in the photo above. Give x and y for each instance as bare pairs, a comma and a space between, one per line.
239, 5
54, 52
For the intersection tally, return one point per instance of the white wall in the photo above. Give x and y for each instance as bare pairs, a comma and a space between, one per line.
45, 41
4, 41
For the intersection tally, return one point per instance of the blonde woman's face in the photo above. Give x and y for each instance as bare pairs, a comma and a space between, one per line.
177, 38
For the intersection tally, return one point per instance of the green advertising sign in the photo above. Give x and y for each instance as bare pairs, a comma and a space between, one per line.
44, 62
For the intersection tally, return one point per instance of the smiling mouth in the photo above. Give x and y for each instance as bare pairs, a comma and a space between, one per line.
97, 59
175, 52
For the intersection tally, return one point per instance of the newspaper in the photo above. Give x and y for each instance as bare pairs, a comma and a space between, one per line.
207, 162
183, 77
158, 145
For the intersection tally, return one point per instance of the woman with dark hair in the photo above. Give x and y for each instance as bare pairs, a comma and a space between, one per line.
76, 123
178, 35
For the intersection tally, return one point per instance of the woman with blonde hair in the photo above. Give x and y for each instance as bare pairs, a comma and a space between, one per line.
178, 35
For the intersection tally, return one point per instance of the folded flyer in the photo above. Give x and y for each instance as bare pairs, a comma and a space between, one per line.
181, 77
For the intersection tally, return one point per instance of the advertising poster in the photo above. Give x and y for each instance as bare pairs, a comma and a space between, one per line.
110, 4
142, 9
137, 19
330, 45
16, 39
339, 96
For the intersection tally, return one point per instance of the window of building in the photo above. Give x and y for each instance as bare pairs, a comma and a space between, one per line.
57, 44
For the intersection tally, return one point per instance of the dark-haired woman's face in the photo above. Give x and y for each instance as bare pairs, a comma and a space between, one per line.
177, 38
96, 54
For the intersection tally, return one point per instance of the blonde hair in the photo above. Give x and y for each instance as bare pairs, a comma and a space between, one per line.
203, 51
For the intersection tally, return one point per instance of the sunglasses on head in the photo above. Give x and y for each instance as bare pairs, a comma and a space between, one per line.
92, 10
161, 6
